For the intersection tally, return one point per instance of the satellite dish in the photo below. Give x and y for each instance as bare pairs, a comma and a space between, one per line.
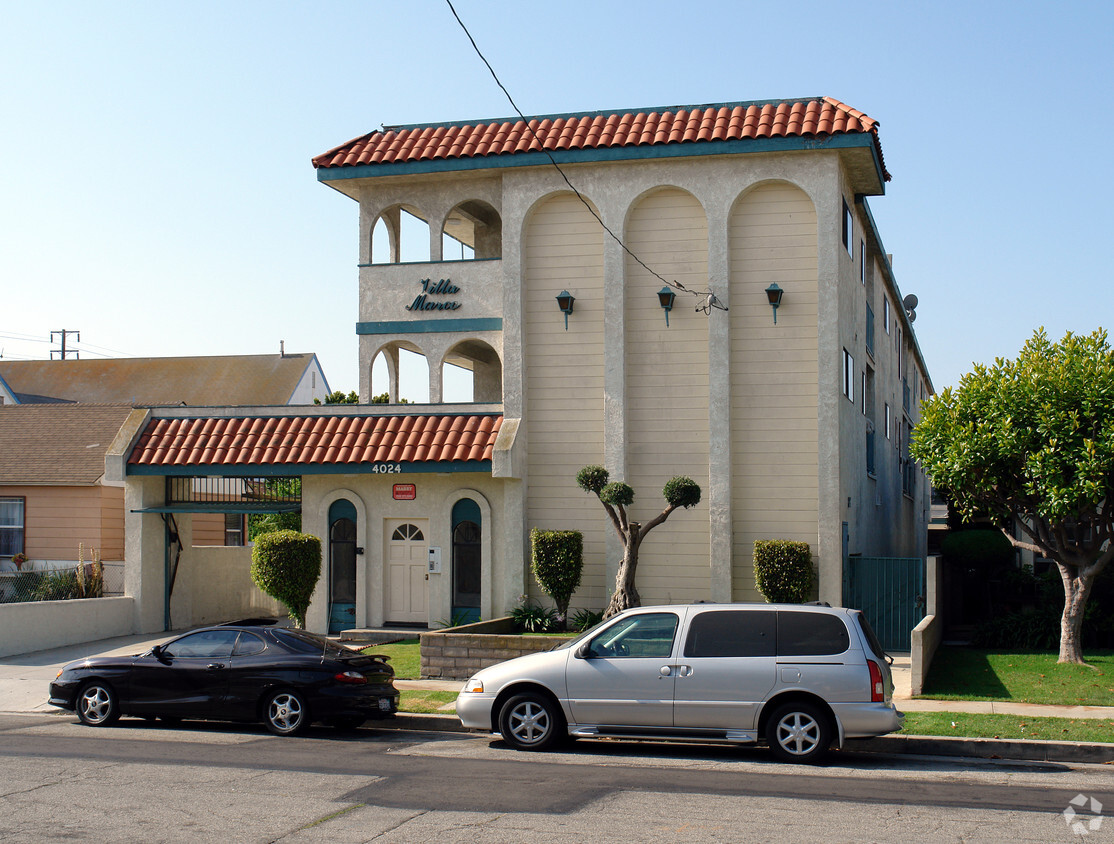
910, 302
912, 316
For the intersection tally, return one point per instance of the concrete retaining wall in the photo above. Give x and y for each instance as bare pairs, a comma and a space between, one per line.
38, 625
925, 641
459, 652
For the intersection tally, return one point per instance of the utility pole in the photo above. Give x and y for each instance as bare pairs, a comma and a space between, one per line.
63, 351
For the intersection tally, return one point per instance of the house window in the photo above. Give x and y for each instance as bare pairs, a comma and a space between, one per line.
887, 420
848, 230
862, 261
886, 313
234, 529
848, 375
11, 526
870, 330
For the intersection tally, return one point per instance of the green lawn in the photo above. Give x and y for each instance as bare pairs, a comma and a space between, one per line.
1020, 676
970, 725
405, 657
420, 700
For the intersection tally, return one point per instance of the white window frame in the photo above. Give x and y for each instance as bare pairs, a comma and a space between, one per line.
20, 526
886, 313
849, 376
848, 230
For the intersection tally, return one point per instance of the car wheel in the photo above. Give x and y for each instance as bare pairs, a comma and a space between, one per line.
96, 704
799, 732
530, 721
348, 722
285, 713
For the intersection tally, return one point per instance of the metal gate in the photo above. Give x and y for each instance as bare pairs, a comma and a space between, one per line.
891, 593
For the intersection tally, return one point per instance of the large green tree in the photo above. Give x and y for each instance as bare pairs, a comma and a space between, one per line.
616, 497
1032, 441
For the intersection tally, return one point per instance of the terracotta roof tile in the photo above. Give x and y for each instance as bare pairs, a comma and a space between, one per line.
315, 440
690, 124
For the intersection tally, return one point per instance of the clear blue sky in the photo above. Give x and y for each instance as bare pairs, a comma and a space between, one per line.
156, 191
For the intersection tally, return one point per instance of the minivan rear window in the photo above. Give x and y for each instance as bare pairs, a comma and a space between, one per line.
810, 634
727, 633
871, 637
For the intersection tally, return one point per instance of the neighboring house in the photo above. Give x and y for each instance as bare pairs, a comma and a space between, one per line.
7, 396
51, 398
173, 381
795, 421
53, 492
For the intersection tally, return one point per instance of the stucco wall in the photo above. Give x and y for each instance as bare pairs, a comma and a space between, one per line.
38, 625
214, 585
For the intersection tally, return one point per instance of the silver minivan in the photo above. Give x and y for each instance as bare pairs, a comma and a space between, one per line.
797, 677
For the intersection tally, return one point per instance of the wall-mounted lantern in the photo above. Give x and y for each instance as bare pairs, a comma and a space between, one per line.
773, 293
564, 302
666, 297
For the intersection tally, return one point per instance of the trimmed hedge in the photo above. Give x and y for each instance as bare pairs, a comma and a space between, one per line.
557, 560
286, 565
783, 570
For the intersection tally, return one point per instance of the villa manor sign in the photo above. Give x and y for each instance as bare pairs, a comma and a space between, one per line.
444, 287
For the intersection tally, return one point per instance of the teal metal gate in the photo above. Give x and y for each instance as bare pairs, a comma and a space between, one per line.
891, 593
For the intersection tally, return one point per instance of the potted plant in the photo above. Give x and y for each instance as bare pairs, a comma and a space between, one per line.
18, 560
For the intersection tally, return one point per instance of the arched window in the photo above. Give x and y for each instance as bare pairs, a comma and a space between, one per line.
467, 561
342, 565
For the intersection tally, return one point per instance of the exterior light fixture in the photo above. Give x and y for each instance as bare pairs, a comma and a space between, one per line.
666, 297
773, 293
564, 302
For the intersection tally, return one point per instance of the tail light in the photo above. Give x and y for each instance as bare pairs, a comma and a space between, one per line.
354, 677
877, 684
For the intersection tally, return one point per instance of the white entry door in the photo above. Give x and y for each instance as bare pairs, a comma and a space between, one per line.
407, 557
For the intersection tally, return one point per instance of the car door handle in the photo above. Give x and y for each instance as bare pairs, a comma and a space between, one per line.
684, 670
214, 666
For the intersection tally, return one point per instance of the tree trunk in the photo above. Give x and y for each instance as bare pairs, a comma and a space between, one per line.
1076, 591
626, 595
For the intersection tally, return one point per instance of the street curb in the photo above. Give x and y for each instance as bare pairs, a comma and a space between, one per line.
1013, 749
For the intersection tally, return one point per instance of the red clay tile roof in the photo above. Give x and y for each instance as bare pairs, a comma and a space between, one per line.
322, 440
807, 118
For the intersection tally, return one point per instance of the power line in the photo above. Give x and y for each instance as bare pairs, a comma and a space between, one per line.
710, 300
62, 334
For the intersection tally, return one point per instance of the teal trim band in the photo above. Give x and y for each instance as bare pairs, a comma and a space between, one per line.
227, 507
431, 263
385, 470
430, 326
599, 154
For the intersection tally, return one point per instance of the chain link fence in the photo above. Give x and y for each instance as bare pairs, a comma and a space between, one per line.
58, 584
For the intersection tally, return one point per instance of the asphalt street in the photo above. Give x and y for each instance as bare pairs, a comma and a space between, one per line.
214, 782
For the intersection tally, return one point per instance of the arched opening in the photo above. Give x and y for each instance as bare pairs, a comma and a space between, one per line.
467, 561
400, 235
472, 372
342, 565
472, 230
399, 375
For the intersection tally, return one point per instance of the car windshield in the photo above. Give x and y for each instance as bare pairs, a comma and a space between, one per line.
302, 642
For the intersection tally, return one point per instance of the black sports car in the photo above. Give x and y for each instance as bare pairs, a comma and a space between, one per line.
285, 678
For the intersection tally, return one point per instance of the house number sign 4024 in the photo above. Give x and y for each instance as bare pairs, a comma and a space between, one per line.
386, 468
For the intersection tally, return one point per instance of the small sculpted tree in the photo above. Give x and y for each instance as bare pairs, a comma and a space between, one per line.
286, 564
557, 560
1032, 440
616, 497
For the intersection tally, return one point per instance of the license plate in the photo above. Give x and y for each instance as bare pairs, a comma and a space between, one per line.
385, 704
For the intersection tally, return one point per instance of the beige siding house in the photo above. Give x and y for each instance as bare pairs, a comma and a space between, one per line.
794, 420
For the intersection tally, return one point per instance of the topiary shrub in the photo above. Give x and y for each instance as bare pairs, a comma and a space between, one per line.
286, 564
984, 549
557, 560
783, 570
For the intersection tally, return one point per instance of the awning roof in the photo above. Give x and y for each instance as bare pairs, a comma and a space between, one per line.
316, 444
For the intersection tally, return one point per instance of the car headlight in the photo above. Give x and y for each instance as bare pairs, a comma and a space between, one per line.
474, 686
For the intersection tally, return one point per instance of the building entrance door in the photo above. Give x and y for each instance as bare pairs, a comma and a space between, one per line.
407, 557
342, 566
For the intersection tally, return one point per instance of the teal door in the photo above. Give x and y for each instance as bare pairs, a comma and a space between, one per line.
467, 561
342, 566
